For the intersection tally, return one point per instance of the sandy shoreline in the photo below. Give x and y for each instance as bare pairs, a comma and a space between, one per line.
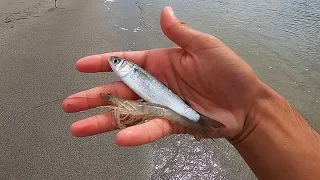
12, 11
37, 64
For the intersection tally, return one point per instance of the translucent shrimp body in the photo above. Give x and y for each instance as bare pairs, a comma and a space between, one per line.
130, 112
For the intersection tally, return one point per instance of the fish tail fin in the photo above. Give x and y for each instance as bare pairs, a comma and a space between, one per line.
209, 123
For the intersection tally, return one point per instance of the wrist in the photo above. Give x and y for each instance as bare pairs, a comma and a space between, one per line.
271, 112
276, 141
259, 108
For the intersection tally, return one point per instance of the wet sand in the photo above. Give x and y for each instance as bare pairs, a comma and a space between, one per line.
16, 10
38, 49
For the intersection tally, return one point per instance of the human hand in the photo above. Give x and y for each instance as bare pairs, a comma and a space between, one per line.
204, 71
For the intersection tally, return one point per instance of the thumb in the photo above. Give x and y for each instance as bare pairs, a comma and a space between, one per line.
187, 38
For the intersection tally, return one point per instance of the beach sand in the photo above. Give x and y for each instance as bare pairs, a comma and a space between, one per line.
16, 6
39, 45
12, 11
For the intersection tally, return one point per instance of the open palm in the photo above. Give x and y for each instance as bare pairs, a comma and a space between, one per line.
204, 71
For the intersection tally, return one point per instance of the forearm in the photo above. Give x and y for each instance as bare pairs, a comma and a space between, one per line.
282, 145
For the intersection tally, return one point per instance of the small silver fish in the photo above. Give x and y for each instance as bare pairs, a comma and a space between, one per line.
152, 90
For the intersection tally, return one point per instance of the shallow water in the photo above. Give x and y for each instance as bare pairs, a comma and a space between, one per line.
279, 39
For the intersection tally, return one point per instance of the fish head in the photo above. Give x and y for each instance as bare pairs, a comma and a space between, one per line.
120, 66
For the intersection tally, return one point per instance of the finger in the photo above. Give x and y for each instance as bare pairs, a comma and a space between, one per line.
91, 98
187, 38
100, 63
93, 125
144, 133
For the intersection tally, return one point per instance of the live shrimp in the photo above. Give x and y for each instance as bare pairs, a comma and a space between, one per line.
130, 112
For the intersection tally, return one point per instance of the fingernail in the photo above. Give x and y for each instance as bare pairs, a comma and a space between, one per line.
171, 11
88, 58
77, 95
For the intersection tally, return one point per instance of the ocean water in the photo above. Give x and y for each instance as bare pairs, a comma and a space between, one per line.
279, 39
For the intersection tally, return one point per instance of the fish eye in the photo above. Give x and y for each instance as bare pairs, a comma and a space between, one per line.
115, 61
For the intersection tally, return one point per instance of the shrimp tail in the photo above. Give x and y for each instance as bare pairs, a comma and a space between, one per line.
209, 136
198, 135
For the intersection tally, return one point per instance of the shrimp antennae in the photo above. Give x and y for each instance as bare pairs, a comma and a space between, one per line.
53, 101
41, 105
